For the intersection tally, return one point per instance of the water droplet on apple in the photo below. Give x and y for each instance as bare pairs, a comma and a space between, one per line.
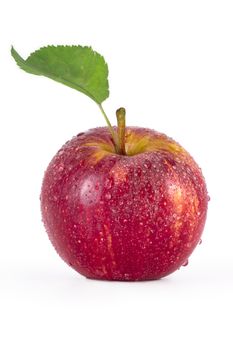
126, 276
138, 172
109, 183
147, 164
200, 242
108, 196
61, 168
185, 263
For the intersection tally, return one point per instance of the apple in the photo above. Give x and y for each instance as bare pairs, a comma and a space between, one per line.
118, 203
127, 217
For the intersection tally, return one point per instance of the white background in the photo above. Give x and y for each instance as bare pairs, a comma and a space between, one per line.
171, 66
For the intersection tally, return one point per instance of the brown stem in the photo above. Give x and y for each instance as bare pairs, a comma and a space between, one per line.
120, 113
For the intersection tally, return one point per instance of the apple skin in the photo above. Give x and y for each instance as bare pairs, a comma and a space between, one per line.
127, 218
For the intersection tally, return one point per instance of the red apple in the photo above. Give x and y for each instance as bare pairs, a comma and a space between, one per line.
118, 204
129, 217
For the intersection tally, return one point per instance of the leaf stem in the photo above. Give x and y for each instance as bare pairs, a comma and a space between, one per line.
120, 113
114, 135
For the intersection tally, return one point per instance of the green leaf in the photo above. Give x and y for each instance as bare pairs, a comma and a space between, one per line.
78, 67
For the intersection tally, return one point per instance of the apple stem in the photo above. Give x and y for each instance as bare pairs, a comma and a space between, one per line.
113, 133
120, 113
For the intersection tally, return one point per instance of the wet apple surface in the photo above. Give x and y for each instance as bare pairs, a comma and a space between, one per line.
118, 203
128, 217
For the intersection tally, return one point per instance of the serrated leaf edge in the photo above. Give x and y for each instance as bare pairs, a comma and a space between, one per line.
21, 63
